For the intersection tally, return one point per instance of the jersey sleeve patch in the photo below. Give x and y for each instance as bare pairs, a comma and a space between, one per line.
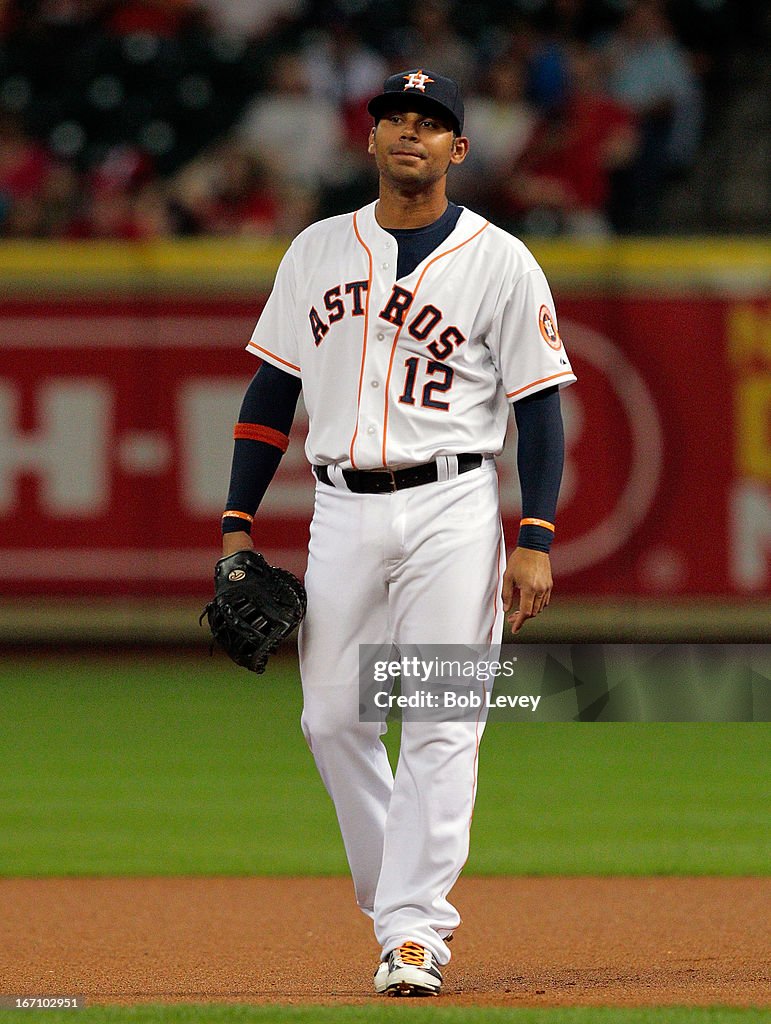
548, 328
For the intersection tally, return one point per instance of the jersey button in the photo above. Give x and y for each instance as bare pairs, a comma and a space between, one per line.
381, 336
370, 430
386, 266
375, 383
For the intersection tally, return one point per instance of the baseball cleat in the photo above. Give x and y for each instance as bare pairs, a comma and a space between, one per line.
381, 977
412, 971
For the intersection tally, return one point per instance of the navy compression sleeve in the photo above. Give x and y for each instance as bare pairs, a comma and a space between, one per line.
261, 438
540, 457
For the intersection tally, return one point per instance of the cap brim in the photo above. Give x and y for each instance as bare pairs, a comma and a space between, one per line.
412, 101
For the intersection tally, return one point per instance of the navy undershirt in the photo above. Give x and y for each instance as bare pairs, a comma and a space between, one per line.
540, 455
271, 400
417, 243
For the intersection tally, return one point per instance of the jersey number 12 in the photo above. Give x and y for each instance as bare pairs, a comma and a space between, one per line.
431, 387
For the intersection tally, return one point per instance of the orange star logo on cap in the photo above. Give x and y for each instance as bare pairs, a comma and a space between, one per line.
417, 80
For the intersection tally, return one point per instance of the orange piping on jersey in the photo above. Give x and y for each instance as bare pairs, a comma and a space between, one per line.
273, 356
543, 380
364, 345
256, 432
396, 337
537, 522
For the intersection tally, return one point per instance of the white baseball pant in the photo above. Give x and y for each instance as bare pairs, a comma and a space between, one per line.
422, 565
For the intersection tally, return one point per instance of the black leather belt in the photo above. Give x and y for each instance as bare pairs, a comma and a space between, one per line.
365, 481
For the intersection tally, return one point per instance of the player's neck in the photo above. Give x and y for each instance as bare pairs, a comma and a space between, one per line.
397, 210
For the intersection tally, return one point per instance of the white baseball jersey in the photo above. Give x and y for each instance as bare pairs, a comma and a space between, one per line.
396, 373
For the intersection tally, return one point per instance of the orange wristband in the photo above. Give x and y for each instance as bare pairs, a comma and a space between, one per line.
238, 515
537, 522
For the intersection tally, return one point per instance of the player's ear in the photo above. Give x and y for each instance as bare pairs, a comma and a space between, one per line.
459, 149
371, 144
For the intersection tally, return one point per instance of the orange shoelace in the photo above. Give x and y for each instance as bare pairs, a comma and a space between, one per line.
412, 954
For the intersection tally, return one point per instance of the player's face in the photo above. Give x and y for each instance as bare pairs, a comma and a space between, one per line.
414, 150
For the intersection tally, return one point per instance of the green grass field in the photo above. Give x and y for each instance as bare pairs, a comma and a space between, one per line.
187, 765
384, 1014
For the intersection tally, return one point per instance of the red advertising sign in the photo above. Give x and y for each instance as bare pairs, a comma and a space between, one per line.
116, 424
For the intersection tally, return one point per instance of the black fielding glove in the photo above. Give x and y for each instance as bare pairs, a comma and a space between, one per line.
255, 607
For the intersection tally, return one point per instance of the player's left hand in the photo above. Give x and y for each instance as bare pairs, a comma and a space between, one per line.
529, 572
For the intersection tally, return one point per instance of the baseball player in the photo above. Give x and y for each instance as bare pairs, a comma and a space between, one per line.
410, 325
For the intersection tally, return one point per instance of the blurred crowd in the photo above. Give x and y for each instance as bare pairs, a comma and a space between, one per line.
153, 118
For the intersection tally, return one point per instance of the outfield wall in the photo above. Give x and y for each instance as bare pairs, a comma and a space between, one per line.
123, 368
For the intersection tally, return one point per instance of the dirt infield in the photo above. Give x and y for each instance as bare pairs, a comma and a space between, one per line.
524, 941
